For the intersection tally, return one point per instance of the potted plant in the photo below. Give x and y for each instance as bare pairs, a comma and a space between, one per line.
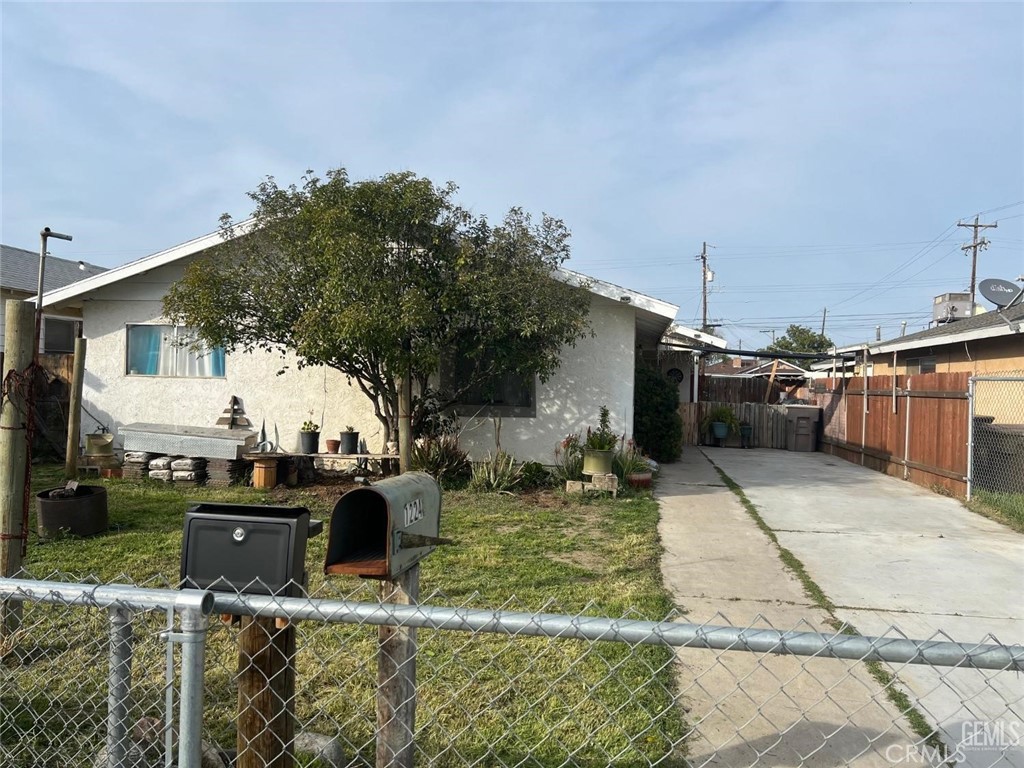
746, 433
349, 441
309, 437
632, 467
599, 447
721, 421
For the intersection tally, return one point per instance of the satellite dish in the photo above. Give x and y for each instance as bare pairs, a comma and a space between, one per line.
1000, 292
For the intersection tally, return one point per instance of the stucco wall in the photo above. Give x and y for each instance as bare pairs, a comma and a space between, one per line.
286, 400
597, 371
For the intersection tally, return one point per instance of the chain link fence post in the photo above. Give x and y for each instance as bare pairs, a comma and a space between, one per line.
194, 622
119, 685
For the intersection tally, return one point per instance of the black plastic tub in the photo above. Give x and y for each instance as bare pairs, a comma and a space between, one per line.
84, 514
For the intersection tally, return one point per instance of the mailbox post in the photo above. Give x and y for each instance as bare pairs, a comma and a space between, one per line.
382, 531
256, 550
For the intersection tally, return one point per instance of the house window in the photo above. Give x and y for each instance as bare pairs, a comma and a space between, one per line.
163, 350
59, 335
508, 394
916, 365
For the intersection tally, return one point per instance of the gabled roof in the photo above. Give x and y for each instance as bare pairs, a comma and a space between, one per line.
653, 315
141, 266
19, 270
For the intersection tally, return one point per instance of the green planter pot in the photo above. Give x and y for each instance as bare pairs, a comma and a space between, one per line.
720, 430
597, 462
746, 433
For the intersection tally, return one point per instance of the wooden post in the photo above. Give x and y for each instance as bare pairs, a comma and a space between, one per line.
771, 380
19, 317
266, 694
404, 424
75, 412
396, 677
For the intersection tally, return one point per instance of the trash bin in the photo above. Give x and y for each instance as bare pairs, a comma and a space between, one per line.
802, 427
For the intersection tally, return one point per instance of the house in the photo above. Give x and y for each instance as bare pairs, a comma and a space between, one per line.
19, 280
136, 373
678, 357
990, 342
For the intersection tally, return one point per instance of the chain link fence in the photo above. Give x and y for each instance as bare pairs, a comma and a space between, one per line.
996, 444
100, 676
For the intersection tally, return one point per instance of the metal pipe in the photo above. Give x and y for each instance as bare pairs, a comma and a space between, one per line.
906, 434
899, 650
106, 595
194, 623
44, 234
970, 436
119, 686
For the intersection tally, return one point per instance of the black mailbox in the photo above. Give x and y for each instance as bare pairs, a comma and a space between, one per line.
381, 530
246, 548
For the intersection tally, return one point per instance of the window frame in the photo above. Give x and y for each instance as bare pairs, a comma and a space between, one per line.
47, 335
176, 329
462, 408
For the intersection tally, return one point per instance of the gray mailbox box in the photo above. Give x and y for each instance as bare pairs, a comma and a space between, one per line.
246, 548
381, 530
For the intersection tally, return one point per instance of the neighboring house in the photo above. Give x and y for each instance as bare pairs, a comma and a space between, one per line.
992, 342
136, 373
783, 370
19, 280
679, 357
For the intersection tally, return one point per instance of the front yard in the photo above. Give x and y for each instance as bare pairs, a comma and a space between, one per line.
481, 697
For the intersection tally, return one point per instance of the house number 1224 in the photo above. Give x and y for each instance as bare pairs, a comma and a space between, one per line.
413, 512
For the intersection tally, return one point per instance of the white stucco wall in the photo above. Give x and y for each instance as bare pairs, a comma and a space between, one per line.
597, 371
286, 400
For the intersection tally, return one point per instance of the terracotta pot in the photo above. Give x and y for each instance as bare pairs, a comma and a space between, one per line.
639, 479
333, 445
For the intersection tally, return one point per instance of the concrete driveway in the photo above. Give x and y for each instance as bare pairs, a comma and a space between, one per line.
887, 554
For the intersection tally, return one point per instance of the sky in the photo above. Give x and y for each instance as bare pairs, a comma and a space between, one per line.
824, 151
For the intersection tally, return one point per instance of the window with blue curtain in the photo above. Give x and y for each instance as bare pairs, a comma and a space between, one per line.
165, 350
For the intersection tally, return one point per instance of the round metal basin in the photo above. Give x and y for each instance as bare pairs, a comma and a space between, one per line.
83, 514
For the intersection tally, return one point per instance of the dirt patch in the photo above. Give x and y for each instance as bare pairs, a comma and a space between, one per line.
591, 561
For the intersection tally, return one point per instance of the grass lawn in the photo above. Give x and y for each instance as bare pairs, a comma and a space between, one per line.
1007, 508
482, 698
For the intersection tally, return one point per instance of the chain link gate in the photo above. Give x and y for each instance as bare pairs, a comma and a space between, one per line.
995, 474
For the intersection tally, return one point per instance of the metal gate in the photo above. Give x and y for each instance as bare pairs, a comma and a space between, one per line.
995, 458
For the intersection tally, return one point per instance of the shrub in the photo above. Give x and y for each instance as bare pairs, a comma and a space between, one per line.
443, 458
533, 474
497, 473
569, 459
657, 427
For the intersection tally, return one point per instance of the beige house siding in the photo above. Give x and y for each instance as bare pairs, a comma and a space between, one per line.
978, 357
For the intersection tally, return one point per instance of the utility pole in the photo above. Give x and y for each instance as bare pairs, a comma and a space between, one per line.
704, 280
824, 313
974, 246
772, 332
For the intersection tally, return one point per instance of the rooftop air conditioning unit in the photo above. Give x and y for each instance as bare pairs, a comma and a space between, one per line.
950, 307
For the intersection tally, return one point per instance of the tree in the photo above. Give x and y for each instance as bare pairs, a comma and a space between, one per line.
657, 426
384, 277
799, 338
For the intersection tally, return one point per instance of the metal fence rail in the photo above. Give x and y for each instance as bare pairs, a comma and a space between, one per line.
996, 442
84, 682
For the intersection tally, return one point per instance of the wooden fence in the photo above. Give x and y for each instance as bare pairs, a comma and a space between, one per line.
912, 427
736, 389
52, 404
768, 421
